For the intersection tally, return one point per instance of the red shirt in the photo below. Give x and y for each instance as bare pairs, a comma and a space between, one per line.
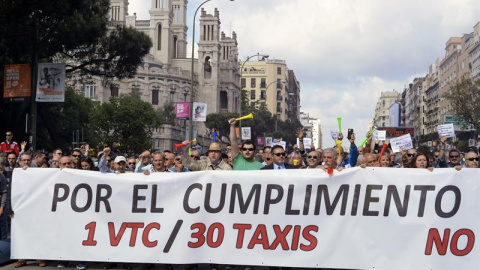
9, 147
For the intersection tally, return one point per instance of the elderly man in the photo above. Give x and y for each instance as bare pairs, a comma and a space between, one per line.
313, 159
244, 160
213, 161
158, 164
471, 159
144, 162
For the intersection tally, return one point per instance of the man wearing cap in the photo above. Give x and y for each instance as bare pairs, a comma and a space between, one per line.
213, 161
245, 161
120, 163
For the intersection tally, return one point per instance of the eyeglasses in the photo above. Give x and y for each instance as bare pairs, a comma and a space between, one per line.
76, 156
279, 154
178, 159
454, 156
472, 159
314, 157
410, 155
109, 160
131, 163
436, 156
268, 159
248, 149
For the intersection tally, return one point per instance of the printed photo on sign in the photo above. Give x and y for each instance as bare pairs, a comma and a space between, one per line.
199, 112
334, 134
51, 82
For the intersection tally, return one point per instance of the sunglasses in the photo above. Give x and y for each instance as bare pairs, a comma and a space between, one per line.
247, 149
410, 155
472, 159
76, 156
436, 156
131, 163
196, 157
268, 159
314, 157
280, 154
178, 159
454, 156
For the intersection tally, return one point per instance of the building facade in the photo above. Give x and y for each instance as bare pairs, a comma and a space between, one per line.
382, 109
165, 74
267, 85
313, 129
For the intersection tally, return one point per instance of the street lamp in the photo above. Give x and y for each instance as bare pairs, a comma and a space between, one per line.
266, 91
190, 121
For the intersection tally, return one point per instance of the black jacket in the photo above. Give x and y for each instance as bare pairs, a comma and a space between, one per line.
287, 166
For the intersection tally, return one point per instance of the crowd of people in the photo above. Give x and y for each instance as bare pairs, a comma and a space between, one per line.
235, 156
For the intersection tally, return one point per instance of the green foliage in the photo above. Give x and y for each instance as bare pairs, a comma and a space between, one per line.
219, 122
465, 97
126, 120
168, 113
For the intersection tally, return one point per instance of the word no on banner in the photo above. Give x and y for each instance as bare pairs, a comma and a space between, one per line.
399, 218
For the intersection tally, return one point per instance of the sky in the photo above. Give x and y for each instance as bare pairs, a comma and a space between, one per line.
344, 52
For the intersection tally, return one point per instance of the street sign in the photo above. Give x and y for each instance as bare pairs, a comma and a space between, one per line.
455, 119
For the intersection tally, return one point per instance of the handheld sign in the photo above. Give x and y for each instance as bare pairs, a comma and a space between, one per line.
382, 135
334, 134
446, 130
402, 142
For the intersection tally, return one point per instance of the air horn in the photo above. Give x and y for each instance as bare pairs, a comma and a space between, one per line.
179, 145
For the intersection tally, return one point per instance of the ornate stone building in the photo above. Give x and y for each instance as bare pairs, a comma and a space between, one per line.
165, 74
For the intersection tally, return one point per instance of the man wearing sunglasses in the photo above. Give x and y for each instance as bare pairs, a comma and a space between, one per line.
244, 160
471, 159
313, 159
278, 154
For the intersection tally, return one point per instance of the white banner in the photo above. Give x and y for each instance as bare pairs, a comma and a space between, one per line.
51, 82
380, 218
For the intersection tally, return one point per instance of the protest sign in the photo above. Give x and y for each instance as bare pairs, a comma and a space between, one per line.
401, 218
382, 135
334, 134
402, 142
446, 130
307, 142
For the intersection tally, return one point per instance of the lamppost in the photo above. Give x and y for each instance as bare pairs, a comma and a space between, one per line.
266, 91
190, 120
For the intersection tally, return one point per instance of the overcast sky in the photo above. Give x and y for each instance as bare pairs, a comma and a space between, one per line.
344, 52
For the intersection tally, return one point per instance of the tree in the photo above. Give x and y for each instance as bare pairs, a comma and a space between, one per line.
219, 122
168, 113
71, 32
126, 120
464, 96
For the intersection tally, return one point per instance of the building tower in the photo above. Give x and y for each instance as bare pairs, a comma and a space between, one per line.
208, 61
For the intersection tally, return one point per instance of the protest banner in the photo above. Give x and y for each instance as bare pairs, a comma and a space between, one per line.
334, 134
380, 218
246, 133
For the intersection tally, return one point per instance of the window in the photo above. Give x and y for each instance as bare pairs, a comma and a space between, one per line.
253, 82
263, 94
175, 47
223, 100
155, 97
279, 84
172, 96
114, 91
252, 94
244, 83
279, 70
263, 82
90, 91
159, 37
